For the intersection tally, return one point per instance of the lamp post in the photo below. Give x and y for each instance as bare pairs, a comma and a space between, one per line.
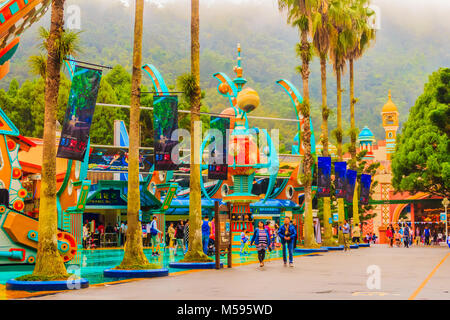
445, 202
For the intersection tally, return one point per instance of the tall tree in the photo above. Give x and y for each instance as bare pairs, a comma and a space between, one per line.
49, 262
134, 256
299, 15
320, 33
340, 41
421, 162
362, 36
69, 44
195, 251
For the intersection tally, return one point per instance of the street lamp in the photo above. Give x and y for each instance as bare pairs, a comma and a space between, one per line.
445, 202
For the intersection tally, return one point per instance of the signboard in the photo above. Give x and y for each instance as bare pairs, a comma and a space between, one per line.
116, 159
350, 180
224, 231
165, 125
335, 217
339, 178
443, 216
222, 220
79, 113
217, 166
107, 198
324, 176
366, 180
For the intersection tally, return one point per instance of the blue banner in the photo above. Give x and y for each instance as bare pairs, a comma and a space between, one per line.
165, 125
324, 176
339, 178
350, 180
366, 181
217, 166
79, 113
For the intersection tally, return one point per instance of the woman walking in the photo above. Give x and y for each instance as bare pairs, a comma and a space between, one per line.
171, 234
179, 235
262, 240
390, 235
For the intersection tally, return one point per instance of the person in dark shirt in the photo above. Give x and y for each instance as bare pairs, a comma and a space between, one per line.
179, 236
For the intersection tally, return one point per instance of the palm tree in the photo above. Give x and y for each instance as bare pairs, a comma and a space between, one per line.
134, 257
299, 15
49, 263
320, 33
340, 41
69, 44
363, 35
192, 89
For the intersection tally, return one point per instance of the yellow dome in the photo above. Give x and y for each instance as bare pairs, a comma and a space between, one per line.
389, 106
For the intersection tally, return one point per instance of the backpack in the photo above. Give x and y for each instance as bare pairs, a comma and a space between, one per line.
153, 230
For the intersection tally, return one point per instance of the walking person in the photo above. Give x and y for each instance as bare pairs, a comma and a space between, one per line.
261, 238
148, 237
206, 231
345, 228
356, 234
186, 236
243, 240
85, 235
121, 233
406, 233
171, 234
427, 235
179, 237
390, 235
154, 234
287, 234
294, 224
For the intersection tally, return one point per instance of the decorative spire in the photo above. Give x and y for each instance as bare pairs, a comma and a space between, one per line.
239, 80
389, 94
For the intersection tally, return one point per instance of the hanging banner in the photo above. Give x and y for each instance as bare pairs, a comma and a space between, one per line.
116, 159
366, 180
350, 180
165, 125
339, 178
324, 176
217, 164
79, 113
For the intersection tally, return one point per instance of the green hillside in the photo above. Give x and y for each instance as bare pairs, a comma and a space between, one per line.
404, 54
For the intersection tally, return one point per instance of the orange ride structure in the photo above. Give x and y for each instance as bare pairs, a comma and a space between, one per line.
19, 230
15, 17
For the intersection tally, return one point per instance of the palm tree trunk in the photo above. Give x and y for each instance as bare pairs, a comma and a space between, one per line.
328, 234
339, 114
341, 210
48, 260
310, 241
195, 251
353, 141
134, 251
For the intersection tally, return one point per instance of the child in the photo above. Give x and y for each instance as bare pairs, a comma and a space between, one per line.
242, 240
246, 239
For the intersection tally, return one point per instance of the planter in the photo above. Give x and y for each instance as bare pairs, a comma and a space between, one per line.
310, 250
354, 246
337, 248
149, 273
364, 245
194, 265
47, 285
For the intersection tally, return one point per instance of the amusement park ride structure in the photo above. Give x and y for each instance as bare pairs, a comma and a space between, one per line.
159, 192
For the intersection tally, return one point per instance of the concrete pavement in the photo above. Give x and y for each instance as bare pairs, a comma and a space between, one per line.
378, 272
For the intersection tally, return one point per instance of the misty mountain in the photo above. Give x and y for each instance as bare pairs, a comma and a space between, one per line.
410, 45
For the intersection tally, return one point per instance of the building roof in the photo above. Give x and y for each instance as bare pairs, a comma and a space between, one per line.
365, 134
389, 106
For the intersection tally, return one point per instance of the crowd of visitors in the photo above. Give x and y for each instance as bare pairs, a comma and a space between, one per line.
404, 236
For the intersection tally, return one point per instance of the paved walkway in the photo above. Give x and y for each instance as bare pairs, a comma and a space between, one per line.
419, 273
